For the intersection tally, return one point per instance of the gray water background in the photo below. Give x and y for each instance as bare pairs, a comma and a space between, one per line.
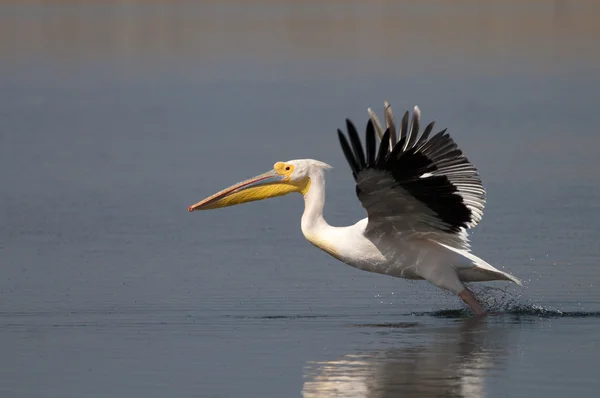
116, 116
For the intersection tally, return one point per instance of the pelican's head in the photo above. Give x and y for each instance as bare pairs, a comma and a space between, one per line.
286, 177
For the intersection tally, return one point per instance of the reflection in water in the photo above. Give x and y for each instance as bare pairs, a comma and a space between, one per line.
453, 364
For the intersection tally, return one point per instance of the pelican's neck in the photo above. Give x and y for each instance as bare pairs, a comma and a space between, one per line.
314, 227
314, 202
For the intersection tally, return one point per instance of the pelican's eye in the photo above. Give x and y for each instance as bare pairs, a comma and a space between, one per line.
283, 169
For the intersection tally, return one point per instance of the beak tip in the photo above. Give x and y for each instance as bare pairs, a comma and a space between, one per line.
191, 209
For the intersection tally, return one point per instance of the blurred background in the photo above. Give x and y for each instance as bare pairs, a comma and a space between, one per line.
117, 115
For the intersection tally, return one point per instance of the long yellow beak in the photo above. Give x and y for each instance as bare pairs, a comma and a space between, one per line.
267, 185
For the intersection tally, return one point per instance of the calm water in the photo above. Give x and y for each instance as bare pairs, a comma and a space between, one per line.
116, 116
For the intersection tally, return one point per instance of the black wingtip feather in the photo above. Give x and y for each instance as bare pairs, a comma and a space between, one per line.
414, 130
404, 125
425, 134
370, 143
384, 148
359, 155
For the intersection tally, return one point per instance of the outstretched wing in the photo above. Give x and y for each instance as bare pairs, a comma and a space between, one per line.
413, 183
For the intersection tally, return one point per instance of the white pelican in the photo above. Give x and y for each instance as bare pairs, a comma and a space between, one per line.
420, 193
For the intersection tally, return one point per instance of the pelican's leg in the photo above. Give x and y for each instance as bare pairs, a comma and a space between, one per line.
469, 298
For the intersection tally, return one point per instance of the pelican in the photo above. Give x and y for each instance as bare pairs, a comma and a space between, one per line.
420, 192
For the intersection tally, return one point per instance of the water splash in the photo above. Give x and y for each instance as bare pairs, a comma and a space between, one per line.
496, 300
499, 301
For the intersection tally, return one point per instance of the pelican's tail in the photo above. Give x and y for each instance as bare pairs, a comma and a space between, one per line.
477, 270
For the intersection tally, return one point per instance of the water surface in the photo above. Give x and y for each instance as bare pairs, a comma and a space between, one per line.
117, 116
